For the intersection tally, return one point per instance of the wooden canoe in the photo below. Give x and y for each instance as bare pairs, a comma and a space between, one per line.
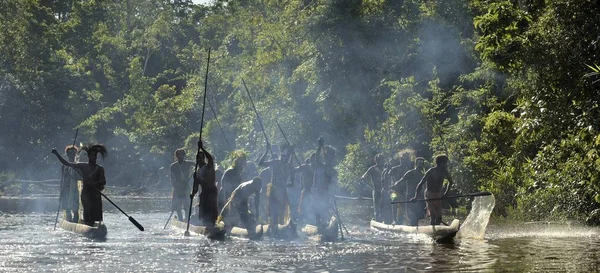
286, 232
97, 232
327, 234
440, 234
214, 233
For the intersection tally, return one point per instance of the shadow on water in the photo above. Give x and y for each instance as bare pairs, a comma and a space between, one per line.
28, 243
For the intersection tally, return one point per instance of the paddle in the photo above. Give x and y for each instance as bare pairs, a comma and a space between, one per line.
131, 219
187, 229
288, 142
60, 196
340, 223
259, 120
170, 216
481, 193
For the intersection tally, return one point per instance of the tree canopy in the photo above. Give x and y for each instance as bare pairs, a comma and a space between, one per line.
509, 89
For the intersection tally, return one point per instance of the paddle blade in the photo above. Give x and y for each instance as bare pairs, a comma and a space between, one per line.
134, 222
187, 233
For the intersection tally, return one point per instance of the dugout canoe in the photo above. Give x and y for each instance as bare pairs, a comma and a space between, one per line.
286, 232
326, 234
97, 232
214, 233
439, 233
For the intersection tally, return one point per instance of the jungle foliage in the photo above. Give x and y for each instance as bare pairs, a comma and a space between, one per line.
507, 88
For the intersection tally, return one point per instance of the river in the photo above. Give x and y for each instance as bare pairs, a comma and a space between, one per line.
28, 243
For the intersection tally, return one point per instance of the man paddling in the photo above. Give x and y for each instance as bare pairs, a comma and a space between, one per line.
325, 176
407, 186
205, 178
238, 204
181, 172
93, 182
434, 180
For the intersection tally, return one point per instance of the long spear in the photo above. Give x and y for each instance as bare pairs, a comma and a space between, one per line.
187, 229
60, 197
212, 109
258, 117
288, 143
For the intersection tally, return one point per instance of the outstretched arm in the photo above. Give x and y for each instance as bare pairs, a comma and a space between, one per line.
62, 160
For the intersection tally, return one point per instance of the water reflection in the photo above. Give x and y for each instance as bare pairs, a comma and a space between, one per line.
28, 243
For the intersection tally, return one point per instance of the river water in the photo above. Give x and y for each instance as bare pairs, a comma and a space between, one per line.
28, 243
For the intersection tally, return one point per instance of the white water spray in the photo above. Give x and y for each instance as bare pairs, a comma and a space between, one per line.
476, 223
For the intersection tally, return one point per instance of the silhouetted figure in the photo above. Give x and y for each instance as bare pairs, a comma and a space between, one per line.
306, 178
181, 173
375, 173
205, 178
93, 182
325, 177
238, 204
278, 205
434, 180
407, 185
69, 189
232, 177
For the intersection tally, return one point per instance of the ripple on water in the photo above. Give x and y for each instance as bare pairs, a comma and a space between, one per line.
28, 243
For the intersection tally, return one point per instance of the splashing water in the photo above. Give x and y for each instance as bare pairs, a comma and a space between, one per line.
478, 219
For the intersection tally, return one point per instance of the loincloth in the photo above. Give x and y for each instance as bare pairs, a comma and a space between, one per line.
434, 207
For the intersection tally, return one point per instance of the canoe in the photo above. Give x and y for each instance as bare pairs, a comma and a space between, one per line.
214, 233
440, 233
327, 234
287, 231
98, 232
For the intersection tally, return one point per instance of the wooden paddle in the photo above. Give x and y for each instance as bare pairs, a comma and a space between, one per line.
170, 216
481, 193
131, 219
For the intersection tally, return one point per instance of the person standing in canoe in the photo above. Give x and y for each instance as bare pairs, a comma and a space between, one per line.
181, 172
306, 177
375, 173
93, 182
434, 180
278, 205
325, 176
407, 186
232, 177
205, 177
238, 204
69, 188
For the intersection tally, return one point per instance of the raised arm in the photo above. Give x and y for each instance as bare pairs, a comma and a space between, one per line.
62, 160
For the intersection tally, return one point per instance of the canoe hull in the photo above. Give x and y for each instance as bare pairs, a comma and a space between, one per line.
96, 232
287, 231
327, 234
441, 234
215, 233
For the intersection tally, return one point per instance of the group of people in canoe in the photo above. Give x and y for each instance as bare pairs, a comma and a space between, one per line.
92, 180
236, 196
399, 180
